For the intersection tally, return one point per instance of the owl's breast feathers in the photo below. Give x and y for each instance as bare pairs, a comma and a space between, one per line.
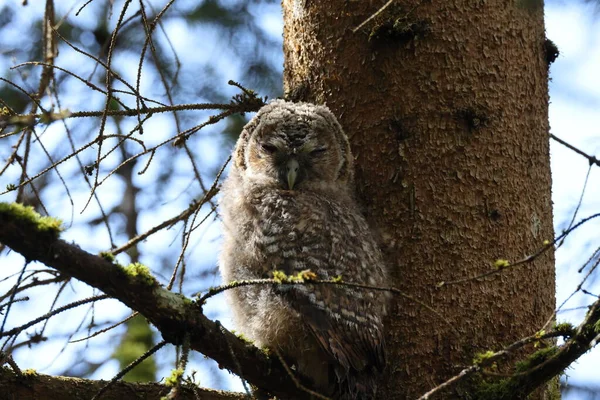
304, 231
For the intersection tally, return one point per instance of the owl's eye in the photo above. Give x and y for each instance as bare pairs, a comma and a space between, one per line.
318, 152
268, 148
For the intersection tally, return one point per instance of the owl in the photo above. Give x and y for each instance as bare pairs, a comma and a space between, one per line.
288, 205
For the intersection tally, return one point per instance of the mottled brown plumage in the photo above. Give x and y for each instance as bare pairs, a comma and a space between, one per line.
288, 205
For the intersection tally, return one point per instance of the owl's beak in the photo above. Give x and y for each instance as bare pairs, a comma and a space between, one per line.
292, 168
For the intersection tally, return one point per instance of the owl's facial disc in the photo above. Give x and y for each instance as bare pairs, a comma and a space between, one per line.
298, 164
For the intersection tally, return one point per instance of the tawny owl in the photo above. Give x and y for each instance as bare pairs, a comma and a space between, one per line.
288, 205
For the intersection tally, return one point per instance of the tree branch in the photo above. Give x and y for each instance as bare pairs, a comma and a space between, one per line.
173, 315
542, 367
591, 159
45, 387
585, 338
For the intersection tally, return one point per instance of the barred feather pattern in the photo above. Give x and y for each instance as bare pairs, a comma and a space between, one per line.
332, 334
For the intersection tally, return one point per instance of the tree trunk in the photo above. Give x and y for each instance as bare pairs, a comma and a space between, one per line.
446, 105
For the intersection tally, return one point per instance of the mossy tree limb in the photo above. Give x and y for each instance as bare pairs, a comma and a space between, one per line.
45, 387
542, 370
172, 314
533, 371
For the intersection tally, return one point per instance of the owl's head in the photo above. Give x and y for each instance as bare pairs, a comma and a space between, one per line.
295, 146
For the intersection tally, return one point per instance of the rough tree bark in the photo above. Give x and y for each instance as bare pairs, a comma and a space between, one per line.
446, 104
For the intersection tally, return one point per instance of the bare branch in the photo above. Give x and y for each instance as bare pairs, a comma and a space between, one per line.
131, 366
19, 329
30, 119
591, 159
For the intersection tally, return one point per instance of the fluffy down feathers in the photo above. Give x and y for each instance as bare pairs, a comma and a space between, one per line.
288, 205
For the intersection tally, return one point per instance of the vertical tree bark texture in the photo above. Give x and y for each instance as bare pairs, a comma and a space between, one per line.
449, 130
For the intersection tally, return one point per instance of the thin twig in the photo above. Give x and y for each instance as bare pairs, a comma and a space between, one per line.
464, 373
113, 40
525, 260
105, 329
251, 282
378, 12
386, 5
128, 368
10, 301
10, 361
591, 159
585, 183
51, 117
44, 317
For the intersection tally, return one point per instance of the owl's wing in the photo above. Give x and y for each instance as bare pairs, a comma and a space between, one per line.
341, 320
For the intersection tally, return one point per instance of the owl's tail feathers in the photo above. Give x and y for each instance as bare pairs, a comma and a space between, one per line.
357, 373
361, 386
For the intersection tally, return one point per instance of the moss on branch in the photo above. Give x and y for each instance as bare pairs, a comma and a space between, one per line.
27, 215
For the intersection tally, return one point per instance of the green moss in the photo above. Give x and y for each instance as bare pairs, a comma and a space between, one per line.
107, 255
243, 338
279, 276
29, 372
505, 389
45, 118
188, 302
497, 390
482, 357
303, 276
215, 289
540, 334
138, 270
565, 328
266, 351
501, 263
553, 389
536, 359
27, 214
174, 378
